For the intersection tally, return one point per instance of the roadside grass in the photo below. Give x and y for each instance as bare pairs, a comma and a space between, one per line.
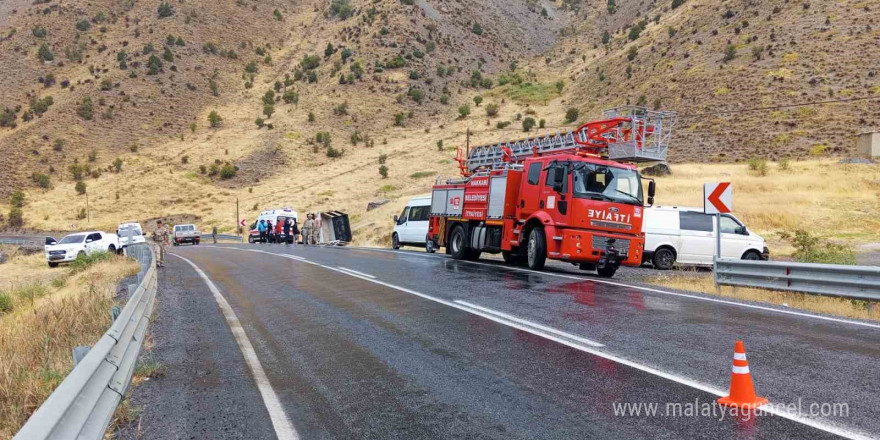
47, 318
705, 283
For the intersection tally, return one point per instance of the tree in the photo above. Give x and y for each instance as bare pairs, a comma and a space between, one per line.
606, 37
153, 65
399, 119
228, 171
85, 109
491, 110
383, 171
165, 10
291, 97
634, 32
631, 54
328, 50
117, 164
16, 218
80, 187
729, 53
478, 100
311, 117
168, 56
346, 54
440, 145
192, 127
215, 88
341, 9
278, 15
528, 123
214, 119
571, 115
260, 122
477, 29
17, 199
268, 110
44, 53
464, 111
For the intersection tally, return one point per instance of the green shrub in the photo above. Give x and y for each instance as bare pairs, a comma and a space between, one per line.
758, 165
83, 25
39, 31
6, 304
491, 110
463, 111
165, 10
477, 29
278, 15
214, 119
440, 145
811, 249
631, 54
228, 171
291, 97
80, 187
729, 53
542, 123
382, 159
334, 153
260, 122
17, 199
422, 174
478, 100
784, 164
168, 55
399, 120
383, 171
117, 164
502, 124
444, 99
311, 117
341, 9
606, 37
310, 62
16, 217
83, 261
42, 180
677, 3
528, 123
268, 110
85, 109
44, 53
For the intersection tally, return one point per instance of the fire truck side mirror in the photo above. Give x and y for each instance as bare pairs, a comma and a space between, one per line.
652, 188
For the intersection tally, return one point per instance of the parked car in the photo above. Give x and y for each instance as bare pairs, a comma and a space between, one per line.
277, 217
411, 226
80, 244
134, 230
186, 234
680, 235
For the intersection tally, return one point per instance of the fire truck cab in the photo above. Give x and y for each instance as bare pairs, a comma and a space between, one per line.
542, 198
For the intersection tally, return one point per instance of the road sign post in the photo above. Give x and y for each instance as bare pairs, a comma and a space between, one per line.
717, 199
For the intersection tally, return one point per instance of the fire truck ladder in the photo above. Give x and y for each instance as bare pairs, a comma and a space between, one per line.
629, 134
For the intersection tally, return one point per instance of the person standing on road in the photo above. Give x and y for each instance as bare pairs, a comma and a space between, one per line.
316, 229
270, 231
294, 231
261, 228
307, 230
162, 239
286, 229
214, 234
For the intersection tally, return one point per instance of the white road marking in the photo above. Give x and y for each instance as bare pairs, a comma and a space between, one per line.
771, 408
284, 430
645, 289
530, 323
356, 272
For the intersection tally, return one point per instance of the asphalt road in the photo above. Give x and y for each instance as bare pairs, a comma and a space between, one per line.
376, 344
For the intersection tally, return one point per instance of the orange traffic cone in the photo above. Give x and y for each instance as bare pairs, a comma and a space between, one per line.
742, 390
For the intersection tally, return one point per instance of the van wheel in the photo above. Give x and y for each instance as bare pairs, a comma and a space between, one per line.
664, 259
607, 271
395, 241
537, 251
751, 255
457, 244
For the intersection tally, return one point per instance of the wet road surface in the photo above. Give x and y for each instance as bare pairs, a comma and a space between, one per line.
368, 344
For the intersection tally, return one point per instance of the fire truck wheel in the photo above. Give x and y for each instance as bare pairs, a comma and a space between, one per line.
395, 242
607, 271
537, 253
457, 244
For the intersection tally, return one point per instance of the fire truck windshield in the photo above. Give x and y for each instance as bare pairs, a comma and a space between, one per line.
608, 183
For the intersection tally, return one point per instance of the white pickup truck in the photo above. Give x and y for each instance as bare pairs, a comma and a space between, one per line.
80, 243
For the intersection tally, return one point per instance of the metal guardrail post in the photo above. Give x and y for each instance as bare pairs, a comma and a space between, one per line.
83, 404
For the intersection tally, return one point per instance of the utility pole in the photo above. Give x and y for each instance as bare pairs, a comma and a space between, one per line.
88, 211
237, 221
467, 143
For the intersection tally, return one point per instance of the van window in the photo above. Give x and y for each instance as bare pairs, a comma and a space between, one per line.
402, 219
419, 213
695, 221
534, 173
729, 225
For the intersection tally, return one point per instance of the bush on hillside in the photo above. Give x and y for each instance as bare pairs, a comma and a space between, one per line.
165, 10
572, 115
214, 119
80, 187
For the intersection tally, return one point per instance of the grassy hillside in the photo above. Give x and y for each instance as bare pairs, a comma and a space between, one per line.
309, 99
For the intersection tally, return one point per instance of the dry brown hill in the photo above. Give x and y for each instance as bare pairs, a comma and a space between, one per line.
387, 89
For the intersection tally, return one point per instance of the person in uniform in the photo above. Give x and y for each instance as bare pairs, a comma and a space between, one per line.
316, 229
307, 230
214, 234
162, 239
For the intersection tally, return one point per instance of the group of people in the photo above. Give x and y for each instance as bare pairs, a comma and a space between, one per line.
291, 233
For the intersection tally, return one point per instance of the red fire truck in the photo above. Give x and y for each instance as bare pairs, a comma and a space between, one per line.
576, 196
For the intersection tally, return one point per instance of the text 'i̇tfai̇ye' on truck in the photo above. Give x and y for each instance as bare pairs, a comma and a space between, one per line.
575, 197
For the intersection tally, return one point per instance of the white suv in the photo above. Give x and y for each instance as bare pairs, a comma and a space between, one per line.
80, 243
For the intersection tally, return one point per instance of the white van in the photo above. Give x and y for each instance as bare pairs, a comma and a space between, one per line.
687, 236
411, 226
277, 217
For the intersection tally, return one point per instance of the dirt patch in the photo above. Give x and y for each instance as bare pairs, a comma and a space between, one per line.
256, 167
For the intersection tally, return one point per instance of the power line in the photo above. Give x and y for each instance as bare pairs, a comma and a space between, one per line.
777, 107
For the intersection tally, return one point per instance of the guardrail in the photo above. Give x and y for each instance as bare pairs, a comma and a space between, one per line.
222, 237
83, 404
856, 282
23, 240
